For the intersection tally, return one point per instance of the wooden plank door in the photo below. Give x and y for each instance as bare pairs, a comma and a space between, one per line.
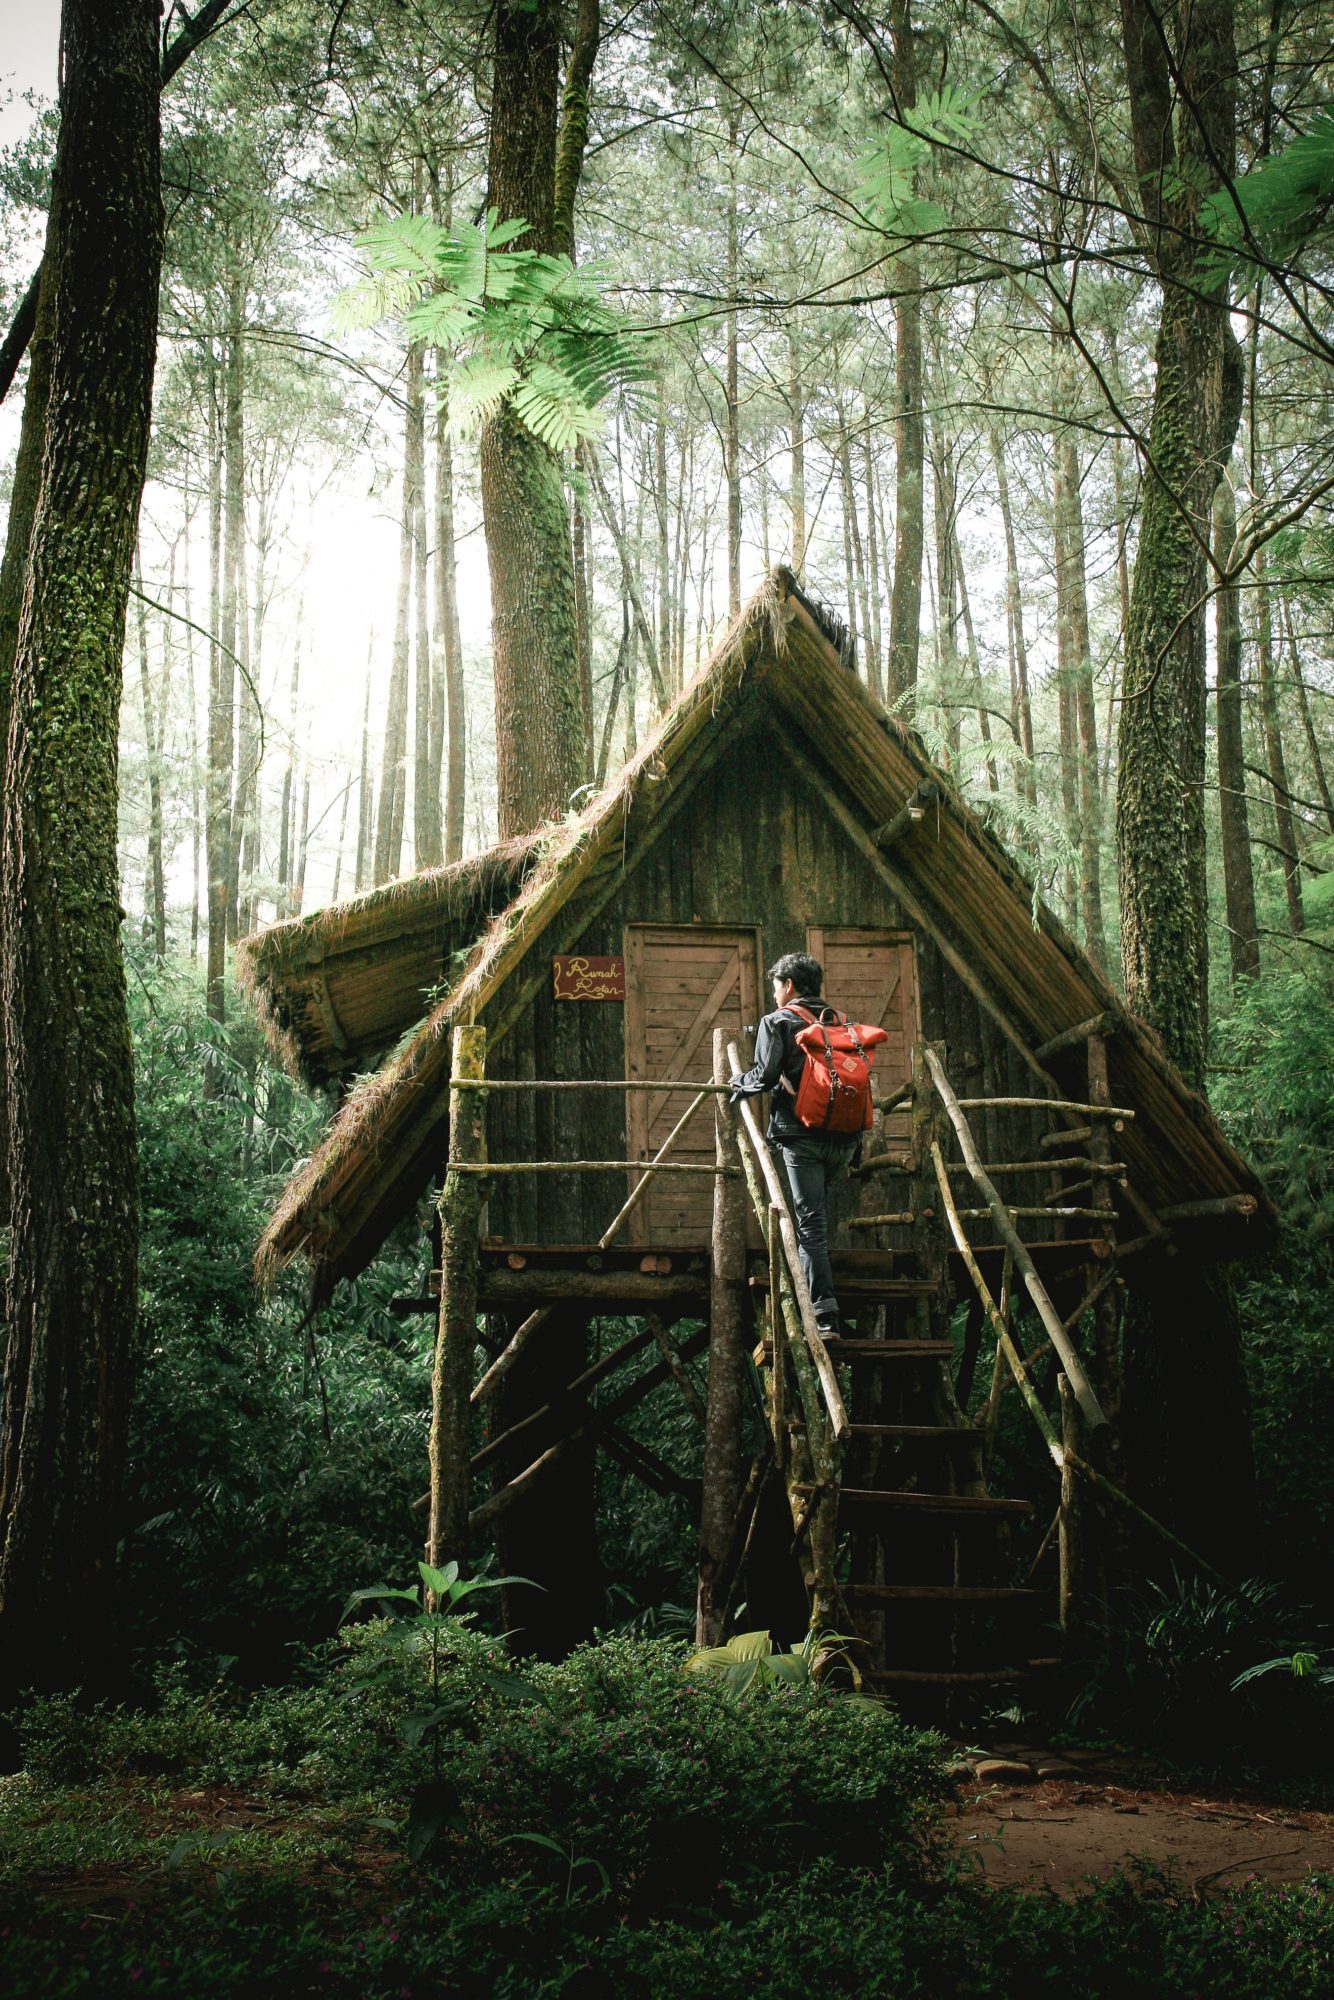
871, 975
681, 982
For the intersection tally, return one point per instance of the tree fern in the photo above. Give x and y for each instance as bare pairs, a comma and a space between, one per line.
1278, 208
888, 184
519, 326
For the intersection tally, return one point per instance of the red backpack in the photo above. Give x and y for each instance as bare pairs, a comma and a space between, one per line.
834, 1095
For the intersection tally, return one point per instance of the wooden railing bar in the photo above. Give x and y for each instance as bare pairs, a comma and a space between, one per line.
1024, 1264
584, 1167
824, 1368
508, 1355
1042, 1104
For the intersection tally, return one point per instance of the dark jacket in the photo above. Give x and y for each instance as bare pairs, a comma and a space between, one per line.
777, 1067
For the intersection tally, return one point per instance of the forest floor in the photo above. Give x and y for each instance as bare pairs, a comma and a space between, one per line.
1059, 1833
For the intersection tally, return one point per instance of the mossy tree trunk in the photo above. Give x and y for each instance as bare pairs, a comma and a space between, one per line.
1187, 1423
534, 624
1233, 812
73, 1253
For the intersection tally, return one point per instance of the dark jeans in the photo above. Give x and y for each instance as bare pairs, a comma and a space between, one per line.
811, 1164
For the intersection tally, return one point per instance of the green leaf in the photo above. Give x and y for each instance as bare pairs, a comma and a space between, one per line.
433, 1808
441, 1581
477, 388
377, 1593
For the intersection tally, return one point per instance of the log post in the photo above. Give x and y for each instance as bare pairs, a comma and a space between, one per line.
1107, 1306
460, 1209
723, 1472
1071, 1516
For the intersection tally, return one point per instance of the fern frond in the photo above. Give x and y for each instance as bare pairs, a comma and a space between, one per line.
1284, 203
550, 405
478, 385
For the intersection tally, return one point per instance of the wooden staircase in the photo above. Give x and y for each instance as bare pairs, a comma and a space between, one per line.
901, 1539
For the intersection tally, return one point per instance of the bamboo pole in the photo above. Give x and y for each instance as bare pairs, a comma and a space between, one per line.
460, 1210
1042, 1104
506, 1359
1024, 1264
720, 1472
824, 1368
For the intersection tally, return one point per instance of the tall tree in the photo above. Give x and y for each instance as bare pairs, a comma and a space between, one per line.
905, 609
73, 1268
1186, 1407
1238, 875
534, 623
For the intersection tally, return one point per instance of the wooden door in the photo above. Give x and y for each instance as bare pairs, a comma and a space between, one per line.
871, 975
681, 982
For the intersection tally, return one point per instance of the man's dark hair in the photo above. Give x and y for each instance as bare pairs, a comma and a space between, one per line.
806, 973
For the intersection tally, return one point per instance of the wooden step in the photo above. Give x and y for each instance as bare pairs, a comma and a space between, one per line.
936, 1433
839, 1348
939, 1593
870, 1290
966, 1504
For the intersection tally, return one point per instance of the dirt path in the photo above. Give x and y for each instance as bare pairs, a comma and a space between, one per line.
1056, 1832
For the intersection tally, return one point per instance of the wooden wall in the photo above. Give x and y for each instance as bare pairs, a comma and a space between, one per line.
753, 845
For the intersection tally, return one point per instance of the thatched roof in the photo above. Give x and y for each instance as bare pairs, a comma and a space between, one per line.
953, 877
336, 989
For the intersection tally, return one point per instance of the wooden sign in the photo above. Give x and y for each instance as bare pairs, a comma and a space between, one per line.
579, 978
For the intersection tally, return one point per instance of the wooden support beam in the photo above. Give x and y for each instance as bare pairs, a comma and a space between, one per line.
904, 820
600, 1290
910, 814
1043, 1104
460, 1210
1006, 1230
721, 1476
1076, 1135
1070, 1038
1201, 1211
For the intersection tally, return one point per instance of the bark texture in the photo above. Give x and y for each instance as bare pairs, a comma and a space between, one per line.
73, 1264
1234, 818
534, 626
905, 608
1196, 408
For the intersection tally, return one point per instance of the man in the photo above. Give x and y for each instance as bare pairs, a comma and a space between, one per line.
809, 1160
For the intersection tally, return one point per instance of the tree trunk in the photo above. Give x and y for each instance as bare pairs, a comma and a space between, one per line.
286, 854
732, 433
1188, 1440
797, 418
1077, 677
448, 711
534, 627
945, 482
218, 780
72, 1277
1238, 877
393, 758
1308, 727
905, 611
427, 840
1196, 408
1015, 611
365, 803
975, 665
873, 633
853, 536
1285, 825
157, 887
233, 630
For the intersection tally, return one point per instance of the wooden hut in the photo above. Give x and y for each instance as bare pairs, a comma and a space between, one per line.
1034, 1148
